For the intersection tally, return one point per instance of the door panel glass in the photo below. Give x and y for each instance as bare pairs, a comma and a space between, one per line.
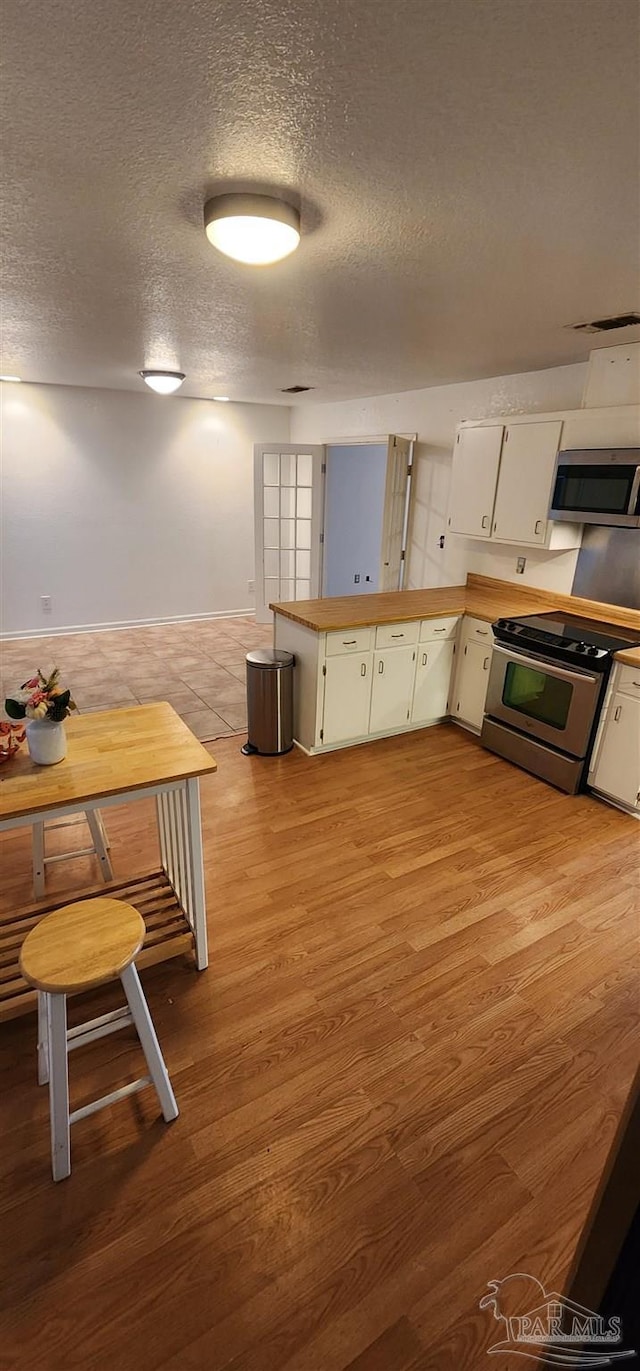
304, 504
287, 590
271, 463
287, 469
271, 562
303, 565
537, 694
271, 502
305, 469
288, 502
287, 533
303, 590
287, 564
271, 533
303, 527
271, 591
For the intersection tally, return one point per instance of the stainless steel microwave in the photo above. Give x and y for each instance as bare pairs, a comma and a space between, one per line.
597, 486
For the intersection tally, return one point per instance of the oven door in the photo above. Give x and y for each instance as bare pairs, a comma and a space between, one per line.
543, 699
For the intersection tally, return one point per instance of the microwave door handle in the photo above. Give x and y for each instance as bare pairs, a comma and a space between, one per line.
552, 668
634, 497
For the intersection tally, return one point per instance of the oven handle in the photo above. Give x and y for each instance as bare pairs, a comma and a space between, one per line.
553, 668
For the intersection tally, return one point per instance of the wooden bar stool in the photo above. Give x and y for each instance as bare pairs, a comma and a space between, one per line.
77, 948
99, 847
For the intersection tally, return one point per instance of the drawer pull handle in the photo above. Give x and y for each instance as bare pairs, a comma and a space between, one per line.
349, 642
636, 684
485, 521
380, 667
485, 664
424, 659
617, 714
363, 669
439, 630
538, 526
482, 632
397, 635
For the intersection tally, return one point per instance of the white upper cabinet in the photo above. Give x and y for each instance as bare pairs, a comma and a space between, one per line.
501, 484
524, 483
476, 459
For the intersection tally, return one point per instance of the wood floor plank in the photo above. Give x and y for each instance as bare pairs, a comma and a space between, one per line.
397, 1080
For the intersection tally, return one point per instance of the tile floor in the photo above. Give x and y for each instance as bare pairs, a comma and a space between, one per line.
198, 666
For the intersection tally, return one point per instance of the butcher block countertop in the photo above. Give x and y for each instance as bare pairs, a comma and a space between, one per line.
630, 656
482, 596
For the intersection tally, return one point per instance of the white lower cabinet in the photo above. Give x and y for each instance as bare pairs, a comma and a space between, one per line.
347, 697
472, 678
433, 681
392, 688
617, 767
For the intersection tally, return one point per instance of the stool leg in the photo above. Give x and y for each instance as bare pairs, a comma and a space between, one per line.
37, 850
149, 1041
43, 1038
59, 1086
105, 835
98, 839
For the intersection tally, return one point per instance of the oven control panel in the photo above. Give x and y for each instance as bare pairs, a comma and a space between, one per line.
537, 637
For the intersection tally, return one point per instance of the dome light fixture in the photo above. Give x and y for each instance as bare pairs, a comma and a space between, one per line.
10, 378
221, 399
256, 229
163, 382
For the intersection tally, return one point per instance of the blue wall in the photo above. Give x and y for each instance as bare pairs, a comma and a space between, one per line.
354, 507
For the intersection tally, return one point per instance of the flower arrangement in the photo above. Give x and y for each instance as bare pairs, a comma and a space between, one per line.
41, 697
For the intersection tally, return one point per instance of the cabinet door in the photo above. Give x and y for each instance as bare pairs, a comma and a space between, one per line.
433, 680
524, 484
476, 458
618, 767
347, 696
471, 684
393, 675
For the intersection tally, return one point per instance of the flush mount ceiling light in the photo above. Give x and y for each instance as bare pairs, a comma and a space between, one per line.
252, 228
10, 378
222, 399
163, 382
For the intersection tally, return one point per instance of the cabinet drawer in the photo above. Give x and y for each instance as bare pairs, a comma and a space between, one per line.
433, 629
476, 631
629, 681
396, 635
351, 640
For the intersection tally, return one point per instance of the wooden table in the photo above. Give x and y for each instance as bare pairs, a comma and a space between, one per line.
114, 757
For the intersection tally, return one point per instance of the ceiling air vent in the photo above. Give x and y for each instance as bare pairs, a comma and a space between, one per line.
295, 390
606, 325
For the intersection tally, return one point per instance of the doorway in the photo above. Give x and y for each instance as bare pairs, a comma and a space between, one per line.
353, 518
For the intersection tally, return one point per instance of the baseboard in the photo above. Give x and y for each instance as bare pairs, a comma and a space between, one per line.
124, 623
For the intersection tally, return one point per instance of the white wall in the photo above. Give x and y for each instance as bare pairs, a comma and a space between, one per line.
434, 415
353, 515
126, 507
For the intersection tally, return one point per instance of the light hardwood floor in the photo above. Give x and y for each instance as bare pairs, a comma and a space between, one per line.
398, 1079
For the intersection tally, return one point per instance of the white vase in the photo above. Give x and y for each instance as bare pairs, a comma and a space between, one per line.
46, 741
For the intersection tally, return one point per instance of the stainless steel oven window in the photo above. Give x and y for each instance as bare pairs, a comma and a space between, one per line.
537, 694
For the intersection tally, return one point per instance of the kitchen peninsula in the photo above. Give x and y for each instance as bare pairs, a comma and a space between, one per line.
368, 666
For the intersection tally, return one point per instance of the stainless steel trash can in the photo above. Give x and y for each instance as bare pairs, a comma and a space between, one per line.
269, 702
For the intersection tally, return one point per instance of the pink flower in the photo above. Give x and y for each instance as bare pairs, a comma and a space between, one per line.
32, 684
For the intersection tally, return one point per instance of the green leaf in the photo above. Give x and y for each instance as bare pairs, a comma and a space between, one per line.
14, 709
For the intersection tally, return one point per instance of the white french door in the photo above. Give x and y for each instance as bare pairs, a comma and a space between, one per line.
288, 493
399, 456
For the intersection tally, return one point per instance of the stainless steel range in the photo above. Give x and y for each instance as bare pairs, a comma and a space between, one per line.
546, 684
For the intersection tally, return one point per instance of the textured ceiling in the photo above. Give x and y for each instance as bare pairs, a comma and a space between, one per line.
467, 172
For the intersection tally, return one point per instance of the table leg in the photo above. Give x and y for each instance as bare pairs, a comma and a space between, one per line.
198, 912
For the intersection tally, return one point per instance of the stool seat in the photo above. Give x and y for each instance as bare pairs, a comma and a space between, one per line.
82, 945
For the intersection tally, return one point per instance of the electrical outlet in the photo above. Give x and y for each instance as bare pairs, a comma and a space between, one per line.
251, 587
45, 604
520, 565
357, 578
